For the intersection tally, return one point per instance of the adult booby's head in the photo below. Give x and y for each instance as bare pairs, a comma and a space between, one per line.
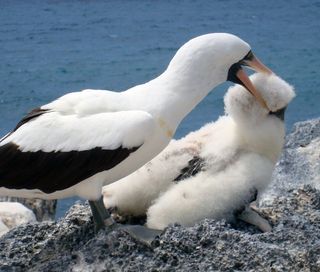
214, 58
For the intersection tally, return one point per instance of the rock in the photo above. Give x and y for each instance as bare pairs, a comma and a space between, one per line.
70, 244
293, 245
300, 160
13, 214
43, 209
33, 245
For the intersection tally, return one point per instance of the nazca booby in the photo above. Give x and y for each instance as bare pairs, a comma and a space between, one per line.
214, 172
84, 140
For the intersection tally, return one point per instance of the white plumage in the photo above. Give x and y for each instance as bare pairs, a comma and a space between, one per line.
65, 133
84, 140
229, 158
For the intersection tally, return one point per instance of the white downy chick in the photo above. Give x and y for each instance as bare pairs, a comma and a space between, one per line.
215, 171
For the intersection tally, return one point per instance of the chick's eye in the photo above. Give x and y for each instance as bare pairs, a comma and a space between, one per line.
279, 113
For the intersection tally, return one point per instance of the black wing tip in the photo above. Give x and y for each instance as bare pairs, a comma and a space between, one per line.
31, 115
54, 171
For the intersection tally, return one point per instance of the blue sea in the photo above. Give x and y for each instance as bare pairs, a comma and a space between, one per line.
49, 48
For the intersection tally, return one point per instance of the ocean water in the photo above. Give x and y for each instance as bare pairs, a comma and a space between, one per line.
49, 48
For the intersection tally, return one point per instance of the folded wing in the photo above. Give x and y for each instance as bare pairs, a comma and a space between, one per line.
51, 151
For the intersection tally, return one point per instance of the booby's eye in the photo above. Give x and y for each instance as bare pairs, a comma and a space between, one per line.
249, 56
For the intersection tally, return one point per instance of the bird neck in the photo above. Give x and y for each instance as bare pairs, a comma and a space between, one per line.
266, 139
176, 92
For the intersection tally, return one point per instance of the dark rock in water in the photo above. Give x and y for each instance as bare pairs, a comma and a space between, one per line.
293, 208
71, 245
43, 209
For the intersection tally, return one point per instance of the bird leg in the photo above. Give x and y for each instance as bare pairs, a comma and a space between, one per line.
252, 217
102, 219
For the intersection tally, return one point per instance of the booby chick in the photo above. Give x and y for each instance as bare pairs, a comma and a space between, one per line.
214, 172
84, 140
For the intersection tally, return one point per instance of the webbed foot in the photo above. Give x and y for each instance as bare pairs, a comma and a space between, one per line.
103, 220
252, 217
141, 234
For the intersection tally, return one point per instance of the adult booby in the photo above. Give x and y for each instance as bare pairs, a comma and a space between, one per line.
215, 172
84, 140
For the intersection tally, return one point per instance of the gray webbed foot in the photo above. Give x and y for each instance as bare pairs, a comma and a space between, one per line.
141, 234
103, 220
252, 217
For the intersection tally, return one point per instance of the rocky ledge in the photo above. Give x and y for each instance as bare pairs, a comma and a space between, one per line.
292, 205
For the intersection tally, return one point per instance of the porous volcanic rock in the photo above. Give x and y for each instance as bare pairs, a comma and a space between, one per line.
292, 207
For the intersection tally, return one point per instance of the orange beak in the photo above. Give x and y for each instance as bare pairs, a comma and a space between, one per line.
258, 66
254, 63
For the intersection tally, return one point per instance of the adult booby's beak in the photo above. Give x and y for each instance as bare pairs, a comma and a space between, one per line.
251, 61
238, 75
